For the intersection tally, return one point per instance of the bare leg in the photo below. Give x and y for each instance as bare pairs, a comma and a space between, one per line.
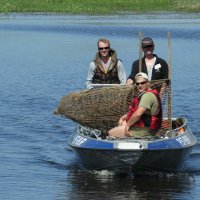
117, 132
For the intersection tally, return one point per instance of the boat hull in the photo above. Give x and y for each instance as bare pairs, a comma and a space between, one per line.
167, 160
166, 153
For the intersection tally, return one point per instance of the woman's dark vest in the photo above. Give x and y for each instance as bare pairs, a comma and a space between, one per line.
152, 122
110, 78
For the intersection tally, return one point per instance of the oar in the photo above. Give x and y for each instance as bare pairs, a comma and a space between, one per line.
169, 90
140, 52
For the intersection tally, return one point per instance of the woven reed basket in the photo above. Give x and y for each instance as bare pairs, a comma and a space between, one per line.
98, 108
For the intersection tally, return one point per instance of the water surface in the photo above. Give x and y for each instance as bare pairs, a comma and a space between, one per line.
45, 57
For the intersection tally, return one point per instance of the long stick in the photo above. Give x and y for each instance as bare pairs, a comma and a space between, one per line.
140, 52
170, 89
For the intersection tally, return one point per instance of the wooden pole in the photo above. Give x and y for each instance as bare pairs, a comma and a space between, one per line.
170, 88
140, 52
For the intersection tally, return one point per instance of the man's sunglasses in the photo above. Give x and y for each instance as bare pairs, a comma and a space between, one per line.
141, 83
148, 46
102, 48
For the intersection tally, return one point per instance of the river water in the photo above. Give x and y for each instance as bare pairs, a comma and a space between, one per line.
44, 57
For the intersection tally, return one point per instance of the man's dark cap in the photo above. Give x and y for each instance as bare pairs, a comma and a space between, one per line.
146, 42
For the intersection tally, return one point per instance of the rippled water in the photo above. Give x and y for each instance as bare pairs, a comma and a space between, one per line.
45, 57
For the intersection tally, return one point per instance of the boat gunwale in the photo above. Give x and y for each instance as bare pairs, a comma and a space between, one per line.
186, 140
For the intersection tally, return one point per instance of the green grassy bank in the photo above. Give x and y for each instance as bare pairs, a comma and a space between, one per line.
95, 7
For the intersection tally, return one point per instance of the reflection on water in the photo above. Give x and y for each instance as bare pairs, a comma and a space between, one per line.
46, 57
105, 185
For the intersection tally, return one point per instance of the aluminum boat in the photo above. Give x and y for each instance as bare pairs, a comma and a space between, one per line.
167, 152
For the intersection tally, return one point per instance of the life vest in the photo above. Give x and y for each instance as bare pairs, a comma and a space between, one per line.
106, 78
152, 122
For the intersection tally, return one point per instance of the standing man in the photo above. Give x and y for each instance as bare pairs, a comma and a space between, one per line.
145, 113
155, 67
105, 68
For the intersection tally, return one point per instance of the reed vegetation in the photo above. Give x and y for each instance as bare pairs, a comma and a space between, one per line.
99, 7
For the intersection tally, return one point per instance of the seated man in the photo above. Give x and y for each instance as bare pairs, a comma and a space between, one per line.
145, 114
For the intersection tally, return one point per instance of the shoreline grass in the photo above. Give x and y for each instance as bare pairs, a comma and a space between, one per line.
98, 7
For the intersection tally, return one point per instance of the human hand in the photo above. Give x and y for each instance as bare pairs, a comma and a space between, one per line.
127, 133
120, 121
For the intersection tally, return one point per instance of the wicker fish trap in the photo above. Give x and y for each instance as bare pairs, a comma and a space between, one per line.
98, 108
